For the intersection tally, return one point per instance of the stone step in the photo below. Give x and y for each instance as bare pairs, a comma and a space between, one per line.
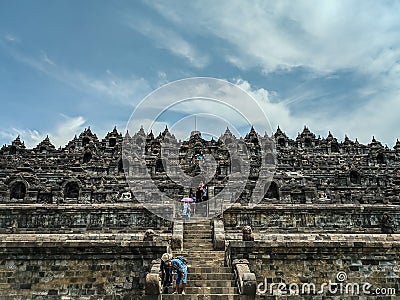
194, 241
199, 220
210, 283
202, 252
204, 247
211, 290
208, 278
203, 256
199, 255
211, 276
199, 229
209, 260
190, 257
206, 290
197, 232
194, 226
194, 288
206, 264
197, 236
208, 297
206, 258
203, 270
201, 244
197, 242
197, 225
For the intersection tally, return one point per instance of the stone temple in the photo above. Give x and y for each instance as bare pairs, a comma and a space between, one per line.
325, 228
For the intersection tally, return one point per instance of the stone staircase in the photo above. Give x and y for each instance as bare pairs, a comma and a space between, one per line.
208, 278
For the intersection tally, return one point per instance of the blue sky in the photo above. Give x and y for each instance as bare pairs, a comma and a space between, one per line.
330, 65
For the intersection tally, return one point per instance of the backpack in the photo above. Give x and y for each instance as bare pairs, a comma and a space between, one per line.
182, 259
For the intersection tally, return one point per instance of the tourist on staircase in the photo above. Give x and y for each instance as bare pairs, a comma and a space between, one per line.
186, 210
199, 192
179, 265
166, 271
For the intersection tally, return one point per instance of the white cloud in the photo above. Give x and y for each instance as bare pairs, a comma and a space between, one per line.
128, 91
278, 113
324, 37
11, 38
377, 117
216, 105
171, 41
30, 137
213, 117
66, 129
62, 132
108, 87
47, 59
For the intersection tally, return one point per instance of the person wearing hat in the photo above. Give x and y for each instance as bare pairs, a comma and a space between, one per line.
165, 270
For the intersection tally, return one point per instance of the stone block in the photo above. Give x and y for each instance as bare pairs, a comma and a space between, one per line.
249, 284
153, 285
218, 235
177, 236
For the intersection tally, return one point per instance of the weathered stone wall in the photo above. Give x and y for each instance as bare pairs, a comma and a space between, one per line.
308, 169
115, 217
375, 261
310, 218
95, 269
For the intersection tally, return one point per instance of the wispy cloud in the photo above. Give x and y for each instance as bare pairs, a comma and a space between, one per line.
170, 40
107, 87
277, 112
213, 117
46, 59
378, 117
216, 104
66, 129
323, 36
62, 132
9, 37
128, 91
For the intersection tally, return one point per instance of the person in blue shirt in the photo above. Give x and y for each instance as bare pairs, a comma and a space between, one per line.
181, 273
186, 210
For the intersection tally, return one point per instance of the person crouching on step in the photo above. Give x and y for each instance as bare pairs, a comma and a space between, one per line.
181, 274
